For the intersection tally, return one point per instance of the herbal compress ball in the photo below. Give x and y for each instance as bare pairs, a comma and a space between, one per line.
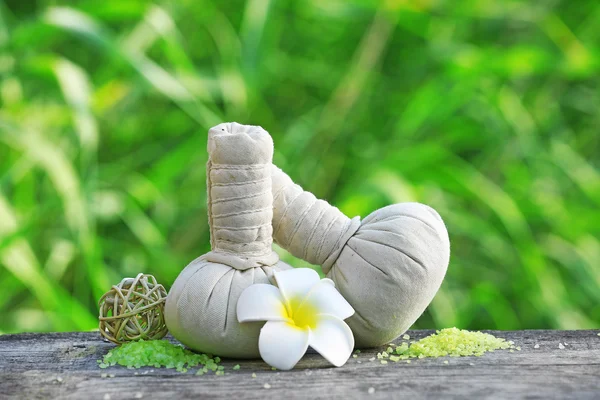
201, 306
388, 266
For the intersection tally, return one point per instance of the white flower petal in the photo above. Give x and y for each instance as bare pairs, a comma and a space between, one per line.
282, 345
261, 302
327, 280
296, 283
333, 339
327, 300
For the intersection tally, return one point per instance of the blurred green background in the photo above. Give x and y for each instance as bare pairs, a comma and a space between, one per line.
487, 110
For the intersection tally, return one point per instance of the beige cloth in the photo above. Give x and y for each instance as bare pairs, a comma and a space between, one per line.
388, 266
200, 310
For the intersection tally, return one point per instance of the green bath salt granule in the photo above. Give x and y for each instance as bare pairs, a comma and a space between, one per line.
159, 353
451, 342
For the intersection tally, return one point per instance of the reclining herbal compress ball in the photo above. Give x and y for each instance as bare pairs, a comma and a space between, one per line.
388, 266
200, 310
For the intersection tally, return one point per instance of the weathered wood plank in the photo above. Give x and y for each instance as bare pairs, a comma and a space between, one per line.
63, 365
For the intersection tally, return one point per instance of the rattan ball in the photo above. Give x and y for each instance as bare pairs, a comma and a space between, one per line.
133, 310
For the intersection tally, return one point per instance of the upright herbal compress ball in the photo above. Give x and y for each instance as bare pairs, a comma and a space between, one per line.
200, 310
388, 266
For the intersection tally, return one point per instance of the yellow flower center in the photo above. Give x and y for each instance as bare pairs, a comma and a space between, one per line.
301, 314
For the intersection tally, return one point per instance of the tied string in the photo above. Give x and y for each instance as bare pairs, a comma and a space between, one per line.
240, 209
309, 228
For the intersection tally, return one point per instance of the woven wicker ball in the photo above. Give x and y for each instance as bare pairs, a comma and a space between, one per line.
133, 310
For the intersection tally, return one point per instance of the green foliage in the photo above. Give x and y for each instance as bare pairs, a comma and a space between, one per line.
486, 110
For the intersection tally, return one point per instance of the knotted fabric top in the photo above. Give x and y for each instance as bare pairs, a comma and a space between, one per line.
307, 227
240, 202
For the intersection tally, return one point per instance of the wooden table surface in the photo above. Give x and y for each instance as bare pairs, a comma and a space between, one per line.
63, 365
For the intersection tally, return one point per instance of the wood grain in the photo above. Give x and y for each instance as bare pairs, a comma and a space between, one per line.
63, 365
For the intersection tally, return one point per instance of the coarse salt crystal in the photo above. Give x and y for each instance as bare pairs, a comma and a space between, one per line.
537, 346
267, 386
560, 346
371, 390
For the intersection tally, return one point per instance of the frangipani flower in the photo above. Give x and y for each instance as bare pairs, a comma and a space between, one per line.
302, 310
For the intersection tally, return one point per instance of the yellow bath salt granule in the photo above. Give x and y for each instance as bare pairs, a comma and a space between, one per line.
451, 342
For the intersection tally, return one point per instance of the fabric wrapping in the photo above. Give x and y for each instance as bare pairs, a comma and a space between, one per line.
388, 266
200, 310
